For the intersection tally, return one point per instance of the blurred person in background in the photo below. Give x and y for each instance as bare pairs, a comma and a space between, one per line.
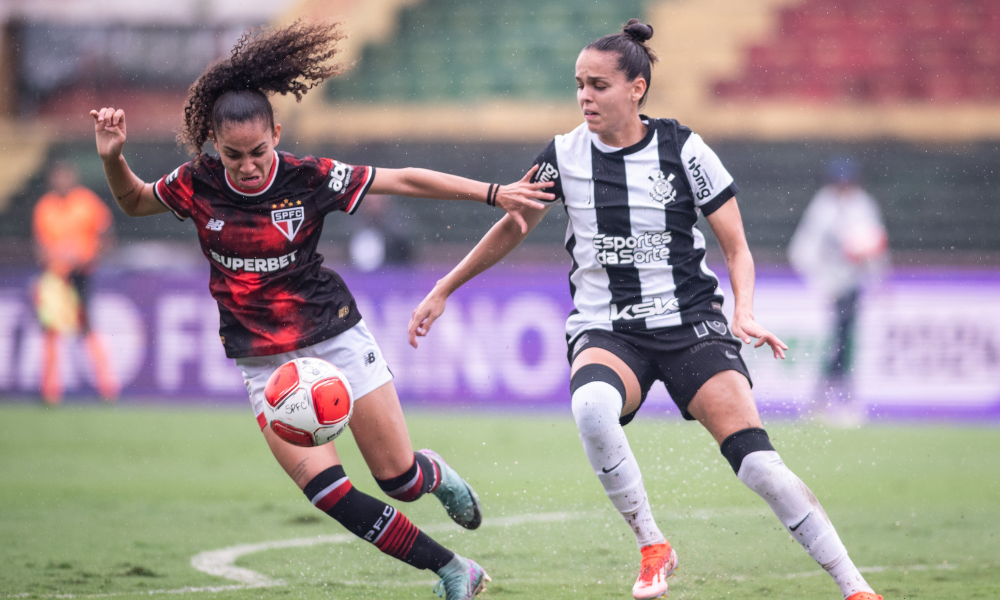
71, 227
839, 247
384, 238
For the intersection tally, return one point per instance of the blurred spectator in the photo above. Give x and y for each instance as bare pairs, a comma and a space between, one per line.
71, 224
839, 247
384, 236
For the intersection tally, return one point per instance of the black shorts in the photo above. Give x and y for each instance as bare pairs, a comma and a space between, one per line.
682, 357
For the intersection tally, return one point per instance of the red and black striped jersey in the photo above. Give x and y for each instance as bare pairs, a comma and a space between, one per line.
273, 293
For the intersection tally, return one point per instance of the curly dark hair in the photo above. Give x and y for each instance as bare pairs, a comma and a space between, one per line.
290, 60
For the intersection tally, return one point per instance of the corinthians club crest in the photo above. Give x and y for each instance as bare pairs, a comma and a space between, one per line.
288, 218
663, 189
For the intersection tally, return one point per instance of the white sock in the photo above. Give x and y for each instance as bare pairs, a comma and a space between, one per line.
798, 509
596, 407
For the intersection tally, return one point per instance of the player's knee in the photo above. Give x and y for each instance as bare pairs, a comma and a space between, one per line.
745, 442
598, 396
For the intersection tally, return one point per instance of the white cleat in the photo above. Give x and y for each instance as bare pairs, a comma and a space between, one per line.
659, 561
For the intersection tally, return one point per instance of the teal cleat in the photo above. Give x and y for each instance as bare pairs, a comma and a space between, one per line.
461, 579
457, 496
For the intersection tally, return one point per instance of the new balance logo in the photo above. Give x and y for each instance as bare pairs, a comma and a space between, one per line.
653, 308
215, 224
369, 358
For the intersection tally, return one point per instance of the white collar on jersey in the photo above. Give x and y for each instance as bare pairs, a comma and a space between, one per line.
612, 149
270, 179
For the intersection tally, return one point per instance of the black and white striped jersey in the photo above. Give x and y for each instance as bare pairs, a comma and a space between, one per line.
638, 258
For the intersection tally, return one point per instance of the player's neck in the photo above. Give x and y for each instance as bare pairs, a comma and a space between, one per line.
629, 135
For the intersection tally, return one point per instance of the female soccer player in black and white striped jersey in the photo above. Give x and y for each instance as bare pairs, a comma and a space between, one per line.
647, 307
259, 214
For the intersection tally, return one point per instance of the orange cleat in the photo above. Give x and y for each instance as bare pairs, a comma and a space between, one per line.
659, 561
864, 596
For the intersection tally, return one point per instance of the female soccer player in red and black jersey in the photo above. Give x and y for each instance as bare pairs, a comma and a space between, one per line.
259, 214
647, 307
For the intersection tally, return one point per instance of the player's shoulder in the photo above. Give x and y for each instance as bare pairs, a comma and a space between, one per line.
308, 170
671, 132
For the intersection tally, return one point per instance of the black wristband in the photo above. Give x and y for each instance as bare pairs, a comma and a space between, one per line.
491, 194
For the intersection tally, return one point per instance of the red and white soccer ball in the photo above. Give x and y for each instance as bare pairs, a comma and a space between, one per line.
308, 402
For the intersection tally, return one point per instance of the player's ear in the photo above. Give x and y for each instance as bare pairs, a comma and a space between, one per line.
638, 88
215, 144
277, 134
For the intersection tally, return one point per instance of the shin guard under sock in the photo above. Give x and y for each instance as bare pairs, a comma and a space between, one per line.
375, 521
597, 402
760, 468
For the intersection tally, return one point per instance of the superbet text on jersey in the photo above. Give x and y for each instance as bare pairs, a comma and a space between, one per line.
273, 294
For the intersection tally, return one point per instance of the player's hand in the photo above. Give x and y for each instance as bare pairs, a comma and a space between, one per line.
522, 196
109, 129
425, 314
744, 327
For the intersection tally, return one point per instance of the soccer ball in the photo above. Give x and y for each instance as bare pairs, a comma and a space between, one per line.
308, 402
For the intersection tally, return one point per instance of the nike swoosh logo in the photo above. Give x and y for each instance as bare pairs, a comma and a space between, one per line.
799, 524
730, 355
606, 471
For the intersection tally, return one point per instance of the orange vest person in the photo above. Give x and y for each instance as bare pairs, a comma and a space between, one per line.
70, 224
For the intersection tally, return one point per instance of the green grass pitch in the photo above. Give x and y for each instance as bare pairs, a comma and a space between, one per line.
98, 500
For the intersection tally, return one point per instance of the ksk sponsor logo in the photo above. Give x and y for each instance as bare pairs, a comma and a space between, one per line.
642, 310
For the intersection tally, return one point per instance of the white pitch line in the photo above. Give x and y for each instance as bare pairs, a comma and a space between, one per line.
221, 563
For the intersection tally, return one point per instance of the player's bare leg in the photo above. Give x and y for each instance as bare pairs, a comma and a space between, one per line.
51, 380
725, 406
107, 382
380, 432
603, 389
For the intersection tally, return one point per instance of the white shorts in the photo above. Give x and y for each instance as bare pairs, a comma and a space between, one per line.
355, 352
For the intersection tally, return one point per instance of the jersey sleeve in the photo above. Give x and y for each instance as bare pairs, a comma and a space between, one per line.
176, 191
548, 170
341, 186
711, 183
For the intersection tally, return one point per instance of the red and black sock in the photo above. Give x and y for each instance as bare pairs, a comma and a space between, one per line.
375, 521
423, 477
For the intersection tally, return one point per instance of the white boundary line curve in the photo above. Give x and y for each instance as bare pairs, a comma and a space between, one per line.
221, 562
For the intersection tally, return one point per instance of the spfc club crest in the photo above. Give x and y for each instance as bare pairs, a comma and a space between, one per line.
663, 188
288, 220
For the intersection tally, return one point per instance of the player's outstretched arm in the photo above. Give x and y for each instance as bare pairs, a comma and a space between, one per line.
496, 244
134, 196
518, 198
727, 224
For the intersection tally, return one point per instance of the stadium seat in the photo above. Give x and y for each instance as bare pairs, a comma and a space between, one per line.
875, 50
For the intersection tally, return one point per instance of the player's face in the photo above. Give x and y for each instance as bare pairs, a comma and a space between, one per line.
608, 100
247, 151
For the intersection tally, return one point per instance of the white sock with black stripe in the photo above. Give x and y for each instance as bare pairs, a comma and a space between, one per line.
801, 513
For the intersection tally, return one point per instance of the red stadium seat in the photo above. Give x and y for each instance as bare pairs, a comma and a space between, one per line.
876, 50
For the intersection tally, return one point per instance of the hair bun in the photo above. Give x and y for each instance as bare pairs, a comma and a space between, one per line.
637, 30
